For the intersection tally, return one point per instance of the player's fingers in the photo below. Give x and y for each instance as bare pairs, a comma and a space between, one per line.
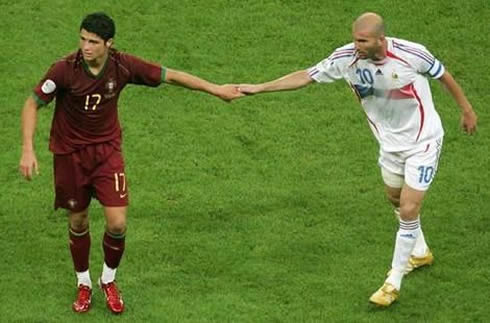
246, 89
247, 92
27, 172
36, 168
470, 129
22, 170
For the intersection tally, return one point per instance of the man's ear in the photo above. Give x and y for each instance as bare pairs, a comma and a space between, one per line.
109, 42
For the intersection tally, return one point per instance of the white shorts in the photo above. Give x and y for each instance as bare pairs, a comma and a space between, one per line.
416, 167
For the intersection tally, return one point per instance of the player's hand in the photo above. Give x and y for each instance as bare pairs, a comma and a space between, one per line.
28, 164
249, 89
469, 121
228, 92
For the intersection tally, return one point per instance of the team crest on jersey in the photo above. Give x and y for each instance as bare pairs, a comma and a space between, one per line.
394, 75
110, 86
48, 86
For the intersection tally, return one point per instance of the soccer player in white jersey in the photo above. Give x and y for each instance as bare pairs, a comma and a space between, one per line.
390, 78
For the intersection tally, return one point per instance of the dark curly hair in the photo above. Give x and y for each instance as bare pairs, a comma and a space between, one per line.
100, 24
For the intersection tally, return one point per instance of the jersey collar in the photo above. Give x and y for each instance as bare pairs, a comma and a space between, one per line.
92, 75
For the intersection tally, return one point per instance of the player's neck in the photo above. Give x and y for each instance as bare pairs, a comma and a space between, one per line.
96, 65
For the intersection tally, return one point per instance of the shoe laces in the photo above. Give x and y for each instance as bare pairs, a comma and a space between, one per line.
112, 292
83, 293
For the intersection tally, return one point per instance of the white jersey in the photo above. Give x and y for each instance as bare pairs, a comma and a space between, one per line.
394, 92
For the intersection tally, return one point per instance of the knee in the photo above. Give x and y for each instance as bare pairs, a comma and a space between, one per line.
409, 211
394, 199
115, 219
117, 226
393, 194
79, 221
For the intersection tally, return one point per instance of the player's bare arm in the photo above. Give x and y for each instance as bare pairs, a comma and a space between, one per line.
288, 82
28, 162
468, 116
225, 92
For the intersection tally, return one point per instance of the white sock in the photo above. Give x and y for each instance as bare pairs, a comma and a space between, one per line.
421, 246
406, 238
84, 278
108, 274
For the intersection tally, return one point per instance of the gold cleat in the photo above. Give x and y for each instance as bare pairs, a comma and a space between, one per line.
385, 296
417, 262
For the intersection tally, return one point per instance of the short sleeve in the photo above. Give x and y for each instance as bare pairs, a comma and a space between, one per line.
428, 64
331, 68
423, 60
434, 70
141, 71
51, 83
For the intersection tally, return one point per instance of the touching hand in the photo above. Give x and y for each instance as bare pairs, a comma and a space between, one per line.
249, 88
28, 165
468, 121
229, 92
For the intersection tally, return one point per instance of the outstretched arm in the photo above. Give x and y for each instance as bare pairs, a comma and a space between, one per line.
468, 116
291, 81
28, 162
225, 92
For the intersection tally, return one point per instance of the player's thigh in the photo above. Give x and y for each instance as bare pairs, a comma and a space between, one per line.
392, 171
393, 185
72, 191
110, 183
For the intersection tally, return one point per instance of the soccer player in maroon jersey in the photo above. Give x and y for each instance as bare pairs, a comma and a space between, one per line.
85, 140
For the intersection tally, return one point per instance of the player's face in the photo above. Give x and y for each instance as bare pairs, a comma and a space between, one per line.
93, 47
368, 45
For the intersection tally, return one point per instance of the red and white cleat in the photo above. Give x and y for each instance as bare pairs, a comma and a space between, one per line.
113, 297
84, 299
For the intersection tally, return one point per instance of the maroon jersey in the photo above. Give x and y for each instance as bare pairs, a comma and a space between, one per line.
86, 105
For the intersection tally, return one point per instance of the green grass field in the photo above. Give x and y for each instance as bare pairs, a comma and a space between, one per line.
268, 209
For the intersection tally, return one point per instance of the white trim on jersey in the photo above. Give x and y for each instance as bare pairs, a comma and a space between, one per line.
326, 70
434, 68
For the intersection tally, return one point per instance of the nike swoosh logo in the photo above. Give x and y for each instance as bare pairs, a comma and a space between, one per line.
123, 195
112, 247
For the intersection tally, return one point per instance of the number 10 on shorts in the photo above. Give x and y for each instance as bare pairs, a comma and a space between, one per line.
426, 173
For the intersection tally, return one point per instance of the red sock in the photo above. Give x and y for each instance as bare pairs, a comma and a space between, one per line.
113, 245
80, 249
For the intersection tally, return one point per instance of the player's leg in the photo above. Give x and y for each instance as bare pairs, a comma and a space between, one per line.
80, 249
80, 245
421, 255
420, 171
113, 241
408, 232
113, 246
406, 237
72, 194
111, 191
420, 166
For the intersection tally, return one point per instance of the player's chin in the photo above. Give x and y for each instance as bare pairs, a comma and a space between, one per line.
88, 57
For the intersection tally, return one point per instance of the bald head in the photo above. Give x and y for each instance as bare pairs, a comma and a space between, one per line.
370, 23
